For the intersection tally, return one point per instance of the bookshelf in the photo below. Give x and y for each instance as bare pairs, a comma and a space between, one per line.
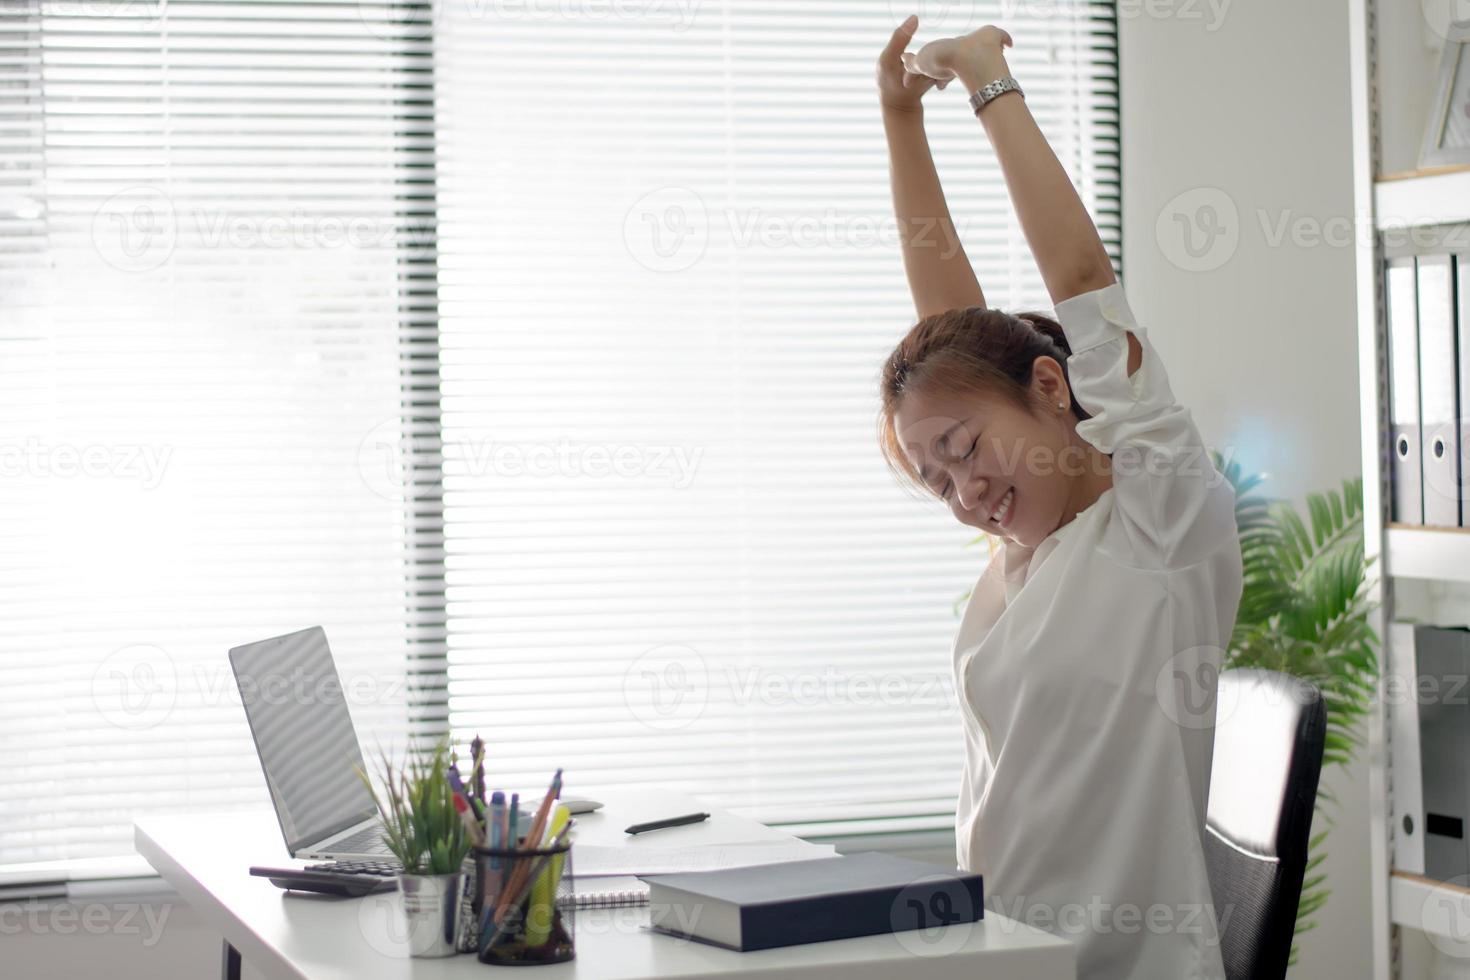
1429, 906
1394, 61
1438, 554
1421, 197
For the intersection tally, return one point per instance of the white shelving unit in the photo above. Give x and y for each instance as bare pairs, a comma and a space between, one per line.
1413, 200
1391, 82
1429, 906
1438, 554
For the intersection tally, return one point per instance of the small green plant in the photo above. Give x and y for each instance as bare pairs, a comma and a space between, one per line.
416, 802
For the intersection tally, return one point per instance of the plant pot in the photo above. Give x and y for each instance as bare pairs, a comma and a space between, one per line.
431, 913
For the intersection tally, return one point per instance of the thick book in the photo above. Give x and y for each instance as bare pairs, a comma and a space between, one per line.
811, 901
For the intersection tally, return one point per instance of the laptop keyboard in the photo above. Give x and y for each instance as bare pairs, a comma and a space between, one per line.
366, 841
377, 869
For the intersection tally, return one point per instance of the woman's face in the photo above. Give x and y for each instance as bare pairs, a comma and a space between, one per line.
1000, 468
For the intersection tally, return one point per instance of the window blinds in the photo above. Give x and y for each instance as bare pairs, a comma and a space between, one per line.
216, 313
668, 277
653, 543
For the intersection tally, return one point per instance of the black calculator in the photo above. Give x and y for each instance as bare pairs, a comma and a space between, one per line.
348, 879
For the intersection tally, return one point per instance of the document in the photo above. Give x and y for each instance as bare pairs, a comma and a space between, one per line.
593, 860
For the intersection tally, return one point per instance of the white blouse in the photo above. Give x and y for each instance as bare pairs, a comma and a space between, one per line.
1086, 669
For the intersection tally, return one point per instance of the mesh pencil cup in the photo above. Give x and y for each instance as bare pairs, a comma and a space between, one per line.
524, 914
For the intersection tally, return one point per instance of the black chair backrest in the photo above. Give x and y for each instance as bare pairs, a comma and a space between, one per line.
1269, 733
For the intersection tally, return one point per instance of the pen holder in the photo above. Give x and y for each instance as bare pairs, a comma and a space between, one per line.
524, 910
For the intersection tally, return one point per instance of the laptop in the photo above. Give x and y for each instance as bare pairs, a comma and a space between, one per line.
308, 748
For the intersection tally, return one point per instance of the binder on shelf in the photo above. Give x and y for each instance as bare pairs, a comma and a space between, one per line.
1407, 504
1438, 380
1442, 666
1401, 682
1462, 335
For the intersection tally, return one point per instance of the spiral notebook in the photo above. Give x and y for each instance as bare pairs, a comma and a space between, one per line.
607, 873
609, 891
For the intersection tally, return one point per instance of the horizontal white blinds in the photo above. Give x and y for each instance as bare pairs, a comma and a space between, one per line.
212, 268
668, 277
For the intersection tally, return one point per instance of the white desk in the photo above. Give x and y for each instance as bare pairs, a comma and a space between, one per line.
307, 936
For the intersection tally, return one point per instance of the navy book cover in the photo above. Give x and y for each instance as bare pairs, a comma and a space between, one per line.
812, 901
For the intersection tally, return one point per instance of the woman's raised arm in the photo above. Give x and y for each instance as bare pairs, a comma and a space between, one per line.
939, 273
1057, 227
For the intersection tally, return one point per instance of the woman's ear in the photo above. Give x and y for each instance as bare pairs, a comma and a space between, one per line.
1049, 383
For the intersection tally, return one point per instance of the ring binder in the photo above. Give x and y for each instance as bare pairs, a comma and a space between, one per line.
1403, 359
1462, 339
1439, 416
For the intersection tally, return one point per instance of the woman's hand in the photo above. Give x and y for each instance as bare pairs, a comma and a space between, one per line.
898, 89
974, 58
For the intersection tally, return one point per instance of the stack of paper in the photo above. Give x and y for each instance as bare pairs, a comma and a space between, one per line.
593, 860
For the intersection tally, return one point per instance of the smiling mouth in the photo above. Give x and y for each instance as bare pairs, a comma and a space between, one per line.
1001, 516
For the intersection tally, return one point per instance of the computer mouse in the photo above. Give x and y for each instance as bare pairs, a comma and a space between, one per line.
576, 804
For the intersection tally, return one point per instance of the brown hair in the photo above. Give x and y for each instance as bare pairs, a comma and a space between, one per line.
964, 351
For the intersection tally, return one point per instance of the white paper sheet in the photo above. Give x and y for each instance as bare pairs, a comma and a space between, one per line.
593, 860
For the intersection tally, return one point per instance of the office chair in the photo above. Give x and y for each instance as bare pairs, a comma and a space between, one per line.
1269, 735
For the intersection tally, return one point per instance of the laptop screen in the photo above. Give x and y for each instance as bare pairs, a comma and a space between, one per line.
303, 733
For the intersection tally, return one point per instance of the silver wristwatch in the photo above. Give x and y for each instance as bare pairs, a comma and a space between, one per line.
991, 91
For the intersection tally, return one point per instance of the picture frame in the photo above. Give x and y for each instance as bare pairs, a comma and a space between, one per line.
1447, 135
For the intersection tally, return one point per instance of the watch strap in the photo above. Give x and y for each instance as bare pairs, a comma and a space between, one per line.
991, 91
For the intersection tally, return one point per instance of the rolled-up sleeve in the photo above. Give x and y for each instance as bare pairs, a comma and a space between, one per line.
1174, 506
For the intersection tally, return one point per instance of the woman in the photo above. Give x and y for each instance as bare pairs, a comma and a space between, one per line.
1117, 572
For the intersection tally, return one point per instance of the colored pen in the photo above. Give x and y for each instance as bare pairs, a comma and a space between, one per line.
543, 812
487, 923
496, 821
544, 884
513, 841
471, 825
457, 784
477, 778
639, 828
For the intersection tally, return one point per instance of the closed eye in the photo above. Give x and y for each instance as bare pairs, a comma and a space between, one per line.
949, 486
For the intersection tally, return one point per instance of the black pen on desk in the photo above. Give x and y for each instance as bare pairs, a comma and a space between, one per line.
639, 828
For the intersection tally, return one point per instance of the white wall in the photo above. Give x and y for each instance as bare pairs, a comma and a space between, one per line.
1245, 106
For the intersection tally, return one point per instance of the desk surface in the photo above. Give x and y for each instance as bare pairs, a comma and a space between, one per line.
308, 936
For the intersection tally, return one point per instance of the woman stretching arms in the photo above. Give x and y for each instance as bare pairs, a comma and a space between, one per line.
1117, 570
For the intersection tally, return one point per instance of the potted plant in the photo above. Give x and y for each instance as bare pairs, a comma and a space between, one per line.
1305, 611
427, 836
